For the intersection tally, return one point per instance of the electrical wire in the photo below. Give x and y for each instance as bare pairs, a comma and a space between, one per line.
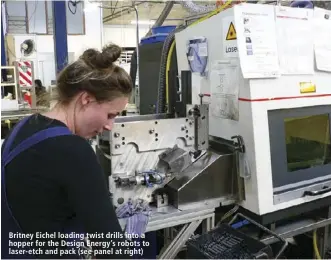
137, 29
33, 15
316, 250
218, 10
33, 12
114, 8
74, 4
228, 214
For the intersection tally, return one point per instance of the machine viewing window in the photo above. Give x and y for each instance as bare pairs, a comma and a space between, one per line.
307, 142
300, 146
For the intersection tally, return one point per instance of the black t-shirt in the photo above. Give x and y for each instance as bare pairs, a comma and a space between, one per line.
56, 180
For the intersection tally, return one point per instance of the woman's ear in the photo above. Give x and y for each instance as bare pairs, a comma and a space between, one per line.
86, 98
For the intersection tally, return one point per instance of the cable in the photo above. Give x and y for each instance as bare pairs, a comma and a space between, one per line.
74, 4
218, 10
137, 30
316, 251
168, 68
161, 95
228, 214
114, 8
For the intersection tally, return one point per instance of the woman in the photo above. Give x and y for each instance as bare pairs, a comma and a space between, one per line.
39, 86
55, 183
41, 94
40, 91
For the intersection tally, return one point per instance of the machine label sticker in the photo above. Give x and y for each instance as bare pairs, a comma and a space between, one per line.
307, 87
230, 49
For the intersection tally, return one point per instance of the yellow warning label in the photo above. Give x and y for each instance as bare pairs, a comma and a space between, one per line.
307, 87
232, 34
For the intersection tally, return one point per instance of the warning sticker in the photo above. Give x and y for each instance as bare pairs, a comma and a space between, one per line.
230, 49
232, 34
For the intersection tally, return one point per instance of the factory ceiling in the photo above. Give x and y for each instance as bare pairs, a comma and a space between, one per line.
120, 13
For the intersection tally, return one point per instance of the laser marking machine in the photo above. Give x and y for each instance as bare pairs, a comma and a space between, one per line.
285, 129
262, 140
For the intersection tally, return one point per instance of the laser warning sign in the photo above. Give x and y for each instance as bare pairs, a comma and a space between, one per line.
232, 34
230, 49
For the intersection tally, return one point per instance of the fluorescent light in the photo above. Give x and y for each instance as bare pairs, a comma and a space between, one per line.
145, 22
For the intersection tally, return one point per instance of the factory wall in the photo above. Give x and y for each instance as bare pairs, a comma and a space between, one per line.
123, 35
43, 58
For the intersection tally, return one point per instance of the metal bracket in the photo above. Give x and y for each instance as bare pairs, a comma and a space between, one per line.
200, 116
240, 144
161, 200
243, 165
176, 159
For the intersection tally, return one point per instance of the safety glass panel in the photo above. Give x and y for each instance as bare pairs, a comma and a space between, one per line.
307, 142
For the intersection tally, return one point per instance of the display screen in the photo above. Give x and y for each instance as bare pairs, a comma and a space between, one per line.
307, 142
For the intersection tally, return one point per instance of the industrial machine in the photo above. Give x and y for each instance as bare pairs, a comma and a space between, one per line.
164, 160
247, 123
283, 132
283, 117
281, 156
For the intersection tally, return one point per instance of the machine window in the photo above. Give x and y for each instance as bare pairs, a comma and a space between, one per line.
307, 142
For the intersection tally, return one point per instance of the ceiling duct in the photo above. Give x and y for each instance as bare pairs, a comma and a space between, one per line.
196, 8
163, 16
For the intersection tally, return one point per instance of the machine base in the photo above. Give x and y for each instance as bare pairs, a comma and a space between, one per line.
294, 211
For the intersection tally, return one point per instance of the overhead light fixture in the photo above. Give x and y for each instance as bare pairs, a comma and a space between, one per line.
143, 22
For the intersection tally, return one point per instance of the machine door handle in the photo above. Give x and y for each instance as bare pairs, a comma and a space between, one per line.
317, 192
